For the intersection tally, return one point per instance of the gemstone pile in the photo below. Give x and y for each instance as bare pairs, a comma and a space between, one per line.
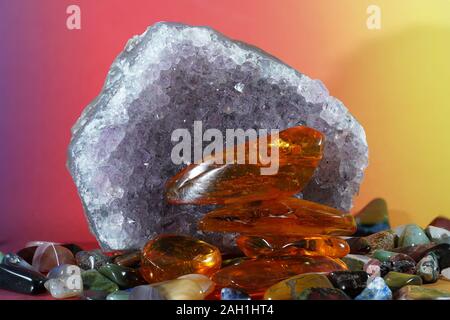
289, 248
175, 267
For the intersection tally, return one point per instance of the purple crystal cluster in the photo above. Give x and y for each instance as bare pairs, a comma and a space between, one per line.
169, 77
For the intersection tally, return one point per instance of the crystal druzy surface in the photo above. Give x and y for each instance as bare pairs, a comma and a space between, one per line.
169, 77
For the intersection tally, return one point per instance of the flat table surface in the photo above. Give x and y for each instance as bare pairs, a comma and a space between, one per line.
13, 247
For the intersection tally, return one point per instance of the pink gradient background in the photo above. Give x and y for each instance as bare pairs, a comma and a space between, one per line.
49, 74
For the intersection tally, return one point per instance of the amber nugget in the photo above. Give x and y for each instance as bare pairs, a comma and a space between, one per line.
286, 217
299, 153
170, 256
253, 246
256, 275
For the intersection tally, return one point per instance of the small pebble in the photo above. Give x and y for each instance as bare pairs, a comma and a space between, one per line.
428, 268
413, 235
375, 290
446, 273
397, 280
119, 295
94, 259
351, 282
233, 294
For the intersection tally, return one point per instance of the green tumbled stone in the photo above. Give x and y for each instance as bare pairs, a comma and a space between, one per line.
413, 235
94, 295
118, 295
428, 268
397, 280
383, 255
95, 281
124, 277
1, 256
374, 212
421, 293
355, 262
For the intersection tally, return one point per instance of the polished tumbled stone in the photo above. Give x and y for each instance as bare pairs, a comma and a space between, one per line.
233, 294
65, 282
397, 280
74, 248
441, 222
438, 235
385, 240
94, 295
358, 245
442, 251
290, 288
178, 289
351, 282
421, 293
21, 280
375, 290
119, 295
95, 281
322, 294
383, 255
355, 262
94, 259
373, 268
169, 77
413, 235
203, 282
130, 259
403, 266
445, 273
372, 218
48, 255
428, 268
122, 276
58, 289
1, 256
16, 260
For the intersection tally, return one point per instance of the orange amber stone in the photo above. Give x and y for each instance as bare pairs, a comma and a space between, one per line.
256, 275
253, 246
285, 217
299, 153
170, 256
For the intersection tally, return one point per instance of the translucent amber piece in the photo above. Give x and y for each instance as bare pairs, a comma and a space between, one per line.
170, 256
299, 153
286, 217
290, 288
255, 276
253, 246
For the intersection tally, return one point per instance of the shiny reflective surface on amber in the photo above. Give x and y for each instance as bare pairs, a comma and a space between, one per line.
299, 149
170, 256
253, 246
256, 275
290, 216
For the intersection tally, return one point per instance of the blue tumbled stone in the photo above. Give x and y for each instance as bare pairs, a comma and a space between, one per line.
377, 289
233, 294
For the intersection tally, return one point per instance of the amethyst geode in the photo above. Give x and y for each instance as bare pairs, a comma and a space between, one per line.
169, 77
